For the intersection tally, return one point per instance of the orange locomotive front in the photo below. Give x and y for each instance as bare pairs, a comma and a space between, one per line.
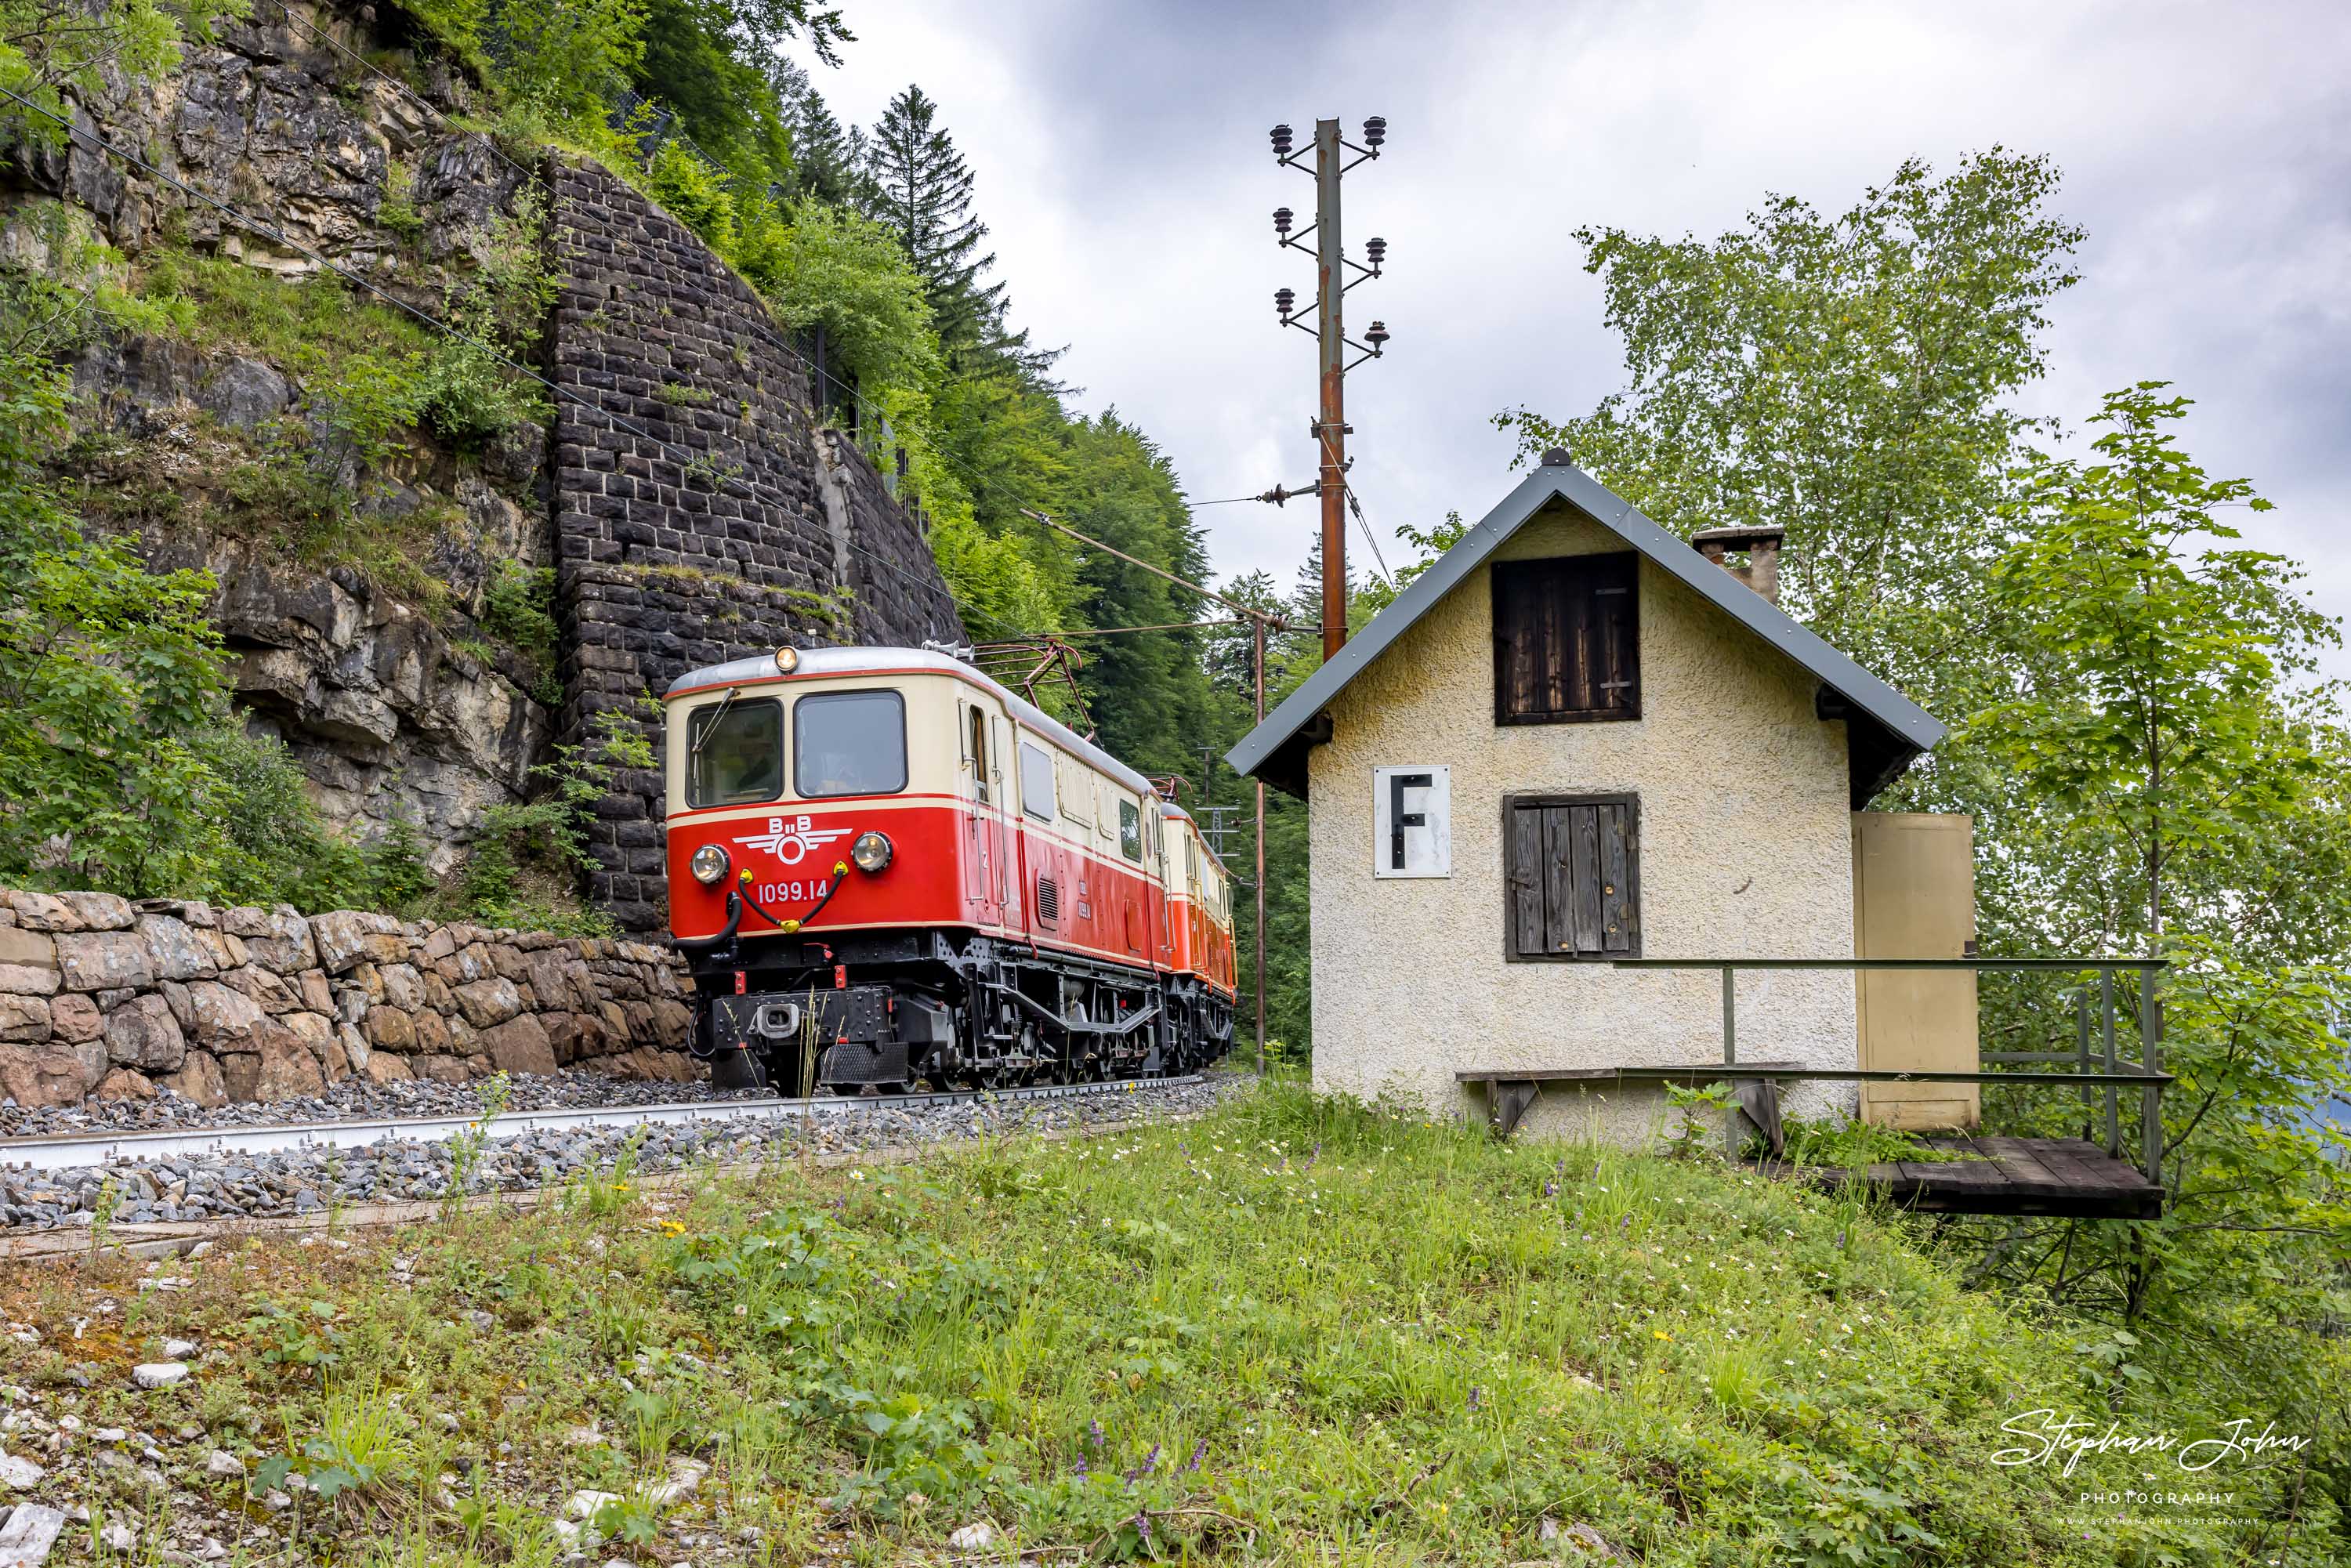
885, 869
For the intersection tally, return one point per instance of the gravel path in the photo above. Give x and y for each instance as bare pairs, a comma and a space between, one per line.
352, 1100
393, 1170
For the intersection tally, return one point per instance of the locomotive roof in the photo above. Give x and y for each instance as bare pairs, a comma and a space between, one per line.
1170, 808
815, 663
1887, 729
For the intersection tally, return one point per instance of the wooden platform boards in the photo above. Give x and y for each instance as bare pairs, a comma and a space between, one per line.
2068, 1178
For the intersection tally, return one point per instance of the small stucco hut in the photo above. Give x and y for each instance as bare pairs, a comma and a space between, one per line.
1575, 739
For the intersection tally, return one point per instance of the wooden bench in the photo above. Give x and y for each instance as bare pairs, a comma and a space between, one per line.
2062, 1177
1510, 1091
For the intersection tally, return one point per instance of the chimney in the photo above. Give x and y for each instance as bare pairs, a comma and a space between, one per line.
1761, 547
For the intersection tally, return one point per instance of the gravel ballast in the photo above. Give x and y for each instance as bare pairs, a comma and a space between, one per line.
352, 1100
307, 1181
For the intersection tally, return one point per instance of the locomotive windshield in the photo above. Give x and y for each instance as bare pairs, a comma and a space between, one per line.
735, 753
850, 743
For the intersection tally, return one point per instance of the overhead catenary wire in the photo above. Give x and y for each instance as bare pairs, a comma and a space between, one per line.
1121, 631
1248, 611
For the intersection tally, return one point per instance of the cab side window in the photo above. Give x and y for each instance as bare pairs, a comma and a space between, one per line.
1130, 830
1037, 781
974, 750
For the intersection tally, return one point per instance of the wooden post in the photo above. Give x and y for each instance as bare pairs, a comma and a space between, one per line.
2150, 1110
1730, 1058
2106, 1022
2081, 1056
1730, 1020
1257, 629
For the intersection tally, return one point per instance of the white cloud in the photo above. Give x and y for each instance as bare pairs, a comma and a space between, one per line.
1123, 167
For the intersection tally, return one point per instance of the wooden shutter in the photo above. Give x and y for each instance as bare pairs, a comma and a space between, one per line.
1567, 639
1571, 868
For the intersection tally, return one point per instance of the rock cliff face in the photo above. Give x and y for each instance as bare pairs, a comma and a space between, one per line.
693, 509
98, 995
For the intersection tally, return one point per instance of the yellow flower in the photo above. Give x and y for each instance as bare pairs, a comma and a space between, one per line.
1661, 1333
672, 1227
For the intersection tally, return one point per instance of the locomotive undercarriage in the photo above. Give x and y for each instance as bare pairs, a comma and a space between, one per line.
881, 1011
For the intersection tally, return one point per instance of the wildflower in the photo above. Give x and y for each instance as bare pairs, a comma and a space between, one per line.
1143, 1525
1661, 1333
1082, 1470
1477, 1396
1095, 1433
1198, 1454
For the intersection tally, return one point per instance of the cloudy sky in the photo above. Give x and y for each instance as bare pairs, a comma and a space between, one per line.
1124, 168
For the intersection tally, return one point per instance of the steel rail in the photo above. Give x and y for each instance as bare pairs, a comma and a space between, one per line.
90, 1151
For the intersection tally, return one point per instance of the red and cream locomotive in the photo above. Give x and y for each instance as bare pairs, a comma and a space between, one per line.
885, 869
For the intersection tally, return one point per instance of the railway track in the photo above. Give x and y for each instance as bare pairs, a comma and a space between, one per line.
83, 1152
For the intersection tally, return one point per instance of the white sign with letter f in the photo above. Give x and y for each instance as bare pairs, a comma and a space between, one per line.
1412, 820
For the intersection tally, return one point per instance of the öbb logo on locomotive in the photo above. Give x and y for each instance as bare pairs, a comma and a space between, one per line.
938, 948
787, 844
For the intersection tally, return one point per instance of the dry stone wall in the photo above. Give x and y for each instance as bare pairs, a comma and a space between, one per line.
101, 995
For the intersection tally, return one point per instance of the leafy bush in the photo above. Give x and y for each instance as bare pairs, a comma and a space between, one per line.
818, 264
466, 389
694, 193
518, 609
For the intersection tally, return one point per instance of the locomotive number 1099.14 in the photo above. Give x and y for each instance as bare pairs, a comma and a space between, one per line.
789, 892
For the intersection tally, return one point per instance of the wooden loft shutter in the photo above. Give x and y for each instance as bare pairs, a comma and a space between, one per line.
1567, 639
1572, 875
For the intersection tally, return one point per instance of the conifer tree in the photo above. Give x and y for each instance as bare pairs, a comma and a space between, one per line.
828, 163
922, 191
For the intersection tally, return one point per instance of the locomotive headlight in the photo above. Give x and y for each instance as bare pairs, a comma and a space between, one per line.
871, 851
708, 864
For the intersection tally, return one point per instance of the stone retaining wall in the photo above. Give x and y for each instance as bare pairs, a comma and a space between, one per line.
101, 995
700, 514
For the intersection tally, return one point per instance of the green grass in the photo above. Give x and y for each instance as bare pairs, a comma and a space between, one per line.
1291, 1331
312, 326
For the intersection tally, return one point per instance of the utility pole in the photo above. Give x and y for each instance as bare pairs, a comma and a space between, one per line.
1330, 427
1331, 296
1257, 634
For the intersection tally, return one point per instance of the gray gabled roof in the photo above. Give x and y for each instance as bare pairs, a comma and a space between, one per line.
1886, 729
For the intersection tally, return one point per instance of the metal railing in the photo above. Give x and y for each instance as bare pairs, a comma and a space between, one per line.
2114, 1072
